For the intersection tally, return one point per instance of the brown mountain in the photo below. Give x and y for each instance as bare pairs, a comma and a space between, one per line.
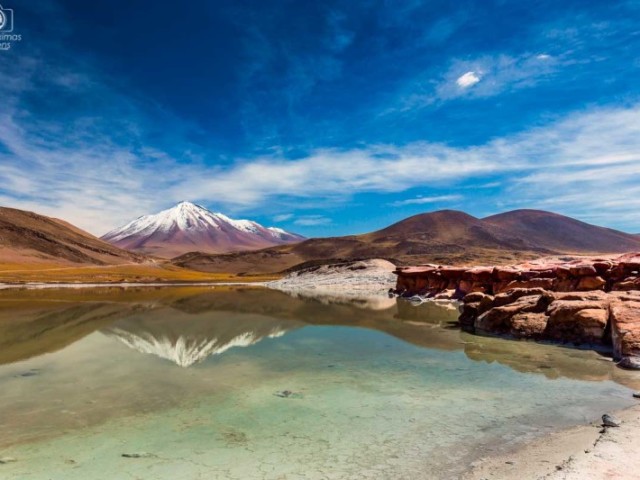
446, 236
563, 234
26, 237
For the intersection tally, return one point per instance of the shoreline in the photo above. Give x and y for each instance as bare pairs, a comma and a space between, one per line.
43, 285
573, 453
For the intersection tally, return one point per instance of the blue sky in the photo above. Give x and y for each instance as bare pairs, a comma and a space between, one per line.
326, 117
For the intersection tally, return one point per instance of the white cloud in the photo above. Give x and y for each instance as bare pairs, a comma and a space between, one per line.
312, 220
283, 217
467, 79
587, 164
489, 75
424, 200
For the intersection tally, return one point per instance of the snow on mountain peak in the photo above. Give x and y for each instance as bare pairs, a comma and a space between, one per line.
194, 227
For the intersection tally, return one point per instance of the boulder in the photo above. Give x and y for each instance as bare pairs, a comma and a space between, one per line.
506, 274
577, 321
479, 287
513, 294
591, 283
583, 270
625, 332
625, 296
481, 274
563, 272
528, 325
567, 284
452, 272
468, 316
497, 320
602, 266
474, 297
595, 296
465, 286
545, 283
484, 302
629, 283
547, 273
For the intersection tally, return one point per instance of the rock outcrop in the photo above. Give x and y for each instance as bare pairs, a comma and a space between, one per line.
594, 302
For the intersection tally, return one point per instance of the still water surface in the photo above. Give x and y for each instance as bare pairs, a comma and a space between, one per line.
246, 383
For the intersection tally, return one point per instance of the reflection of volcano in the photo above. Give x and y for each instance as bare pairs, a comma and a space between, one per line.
188, 339
187, 325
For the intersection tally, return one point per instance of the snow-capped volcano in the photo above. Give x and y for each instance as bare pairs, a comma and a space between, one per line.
188, 227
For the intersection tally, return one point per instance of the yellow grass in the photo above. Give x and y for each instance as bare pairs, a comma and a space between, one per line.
135, 273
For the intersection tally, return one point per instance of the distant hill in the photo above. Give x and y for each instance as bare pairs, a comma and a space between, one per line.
26, 237
187, 227
446, 236
562, 234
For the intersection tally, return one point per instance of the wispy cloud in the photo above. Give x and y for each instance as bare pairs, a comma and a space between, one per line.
587, 163
283, 217
94, 171
74, 146
492, 75
341, 173
589, 159
312, 220
426, 200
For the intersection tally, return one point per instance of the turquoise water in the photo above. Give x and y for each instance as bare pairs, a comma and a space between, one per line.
253, 384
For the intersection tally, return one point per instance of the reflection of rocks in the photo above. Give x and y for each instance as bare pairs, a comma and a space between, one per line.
580, 318
189, 339
430, 325
377, 302
595, 302
435, 313
25, 333
529, 357
187, 325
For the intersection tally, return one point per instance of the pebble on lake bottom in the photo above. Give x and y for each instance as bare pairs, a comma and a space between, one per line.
288, 394
138, 455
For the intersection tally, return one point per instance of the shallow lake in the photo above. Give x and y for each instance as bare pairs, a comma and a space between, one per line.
247, 383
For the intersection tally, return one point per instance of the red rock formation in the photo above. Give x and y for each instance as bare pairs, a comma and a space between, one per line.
622, 274
595, 302
625, 332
